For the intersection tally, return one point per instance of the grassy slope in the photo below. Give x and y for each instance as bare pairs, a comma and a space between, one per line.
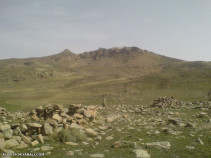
125, 75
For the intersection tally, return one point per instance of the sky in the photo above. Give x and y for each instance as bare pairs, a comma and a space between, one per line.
174, 28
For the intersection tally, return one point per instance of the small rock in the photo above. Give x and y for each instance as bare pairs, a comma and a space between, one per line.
109, 138
140, 153
26, 139
97, 155
190, 147
40, 138
71, 143
11, 143
78, 116
198, 140
46, 148
164, 145
22, 145
34, 125
91, 132
57, 118
69, 153
48, 130
34, 143
109, 119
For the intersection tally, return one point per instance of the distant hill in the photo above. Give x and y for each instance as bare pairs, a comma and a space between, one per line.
129, 74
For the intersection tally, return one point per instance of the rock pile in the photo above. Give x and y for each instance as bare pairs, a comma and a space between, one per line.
75, 114
3, 112
43, 122
163, 102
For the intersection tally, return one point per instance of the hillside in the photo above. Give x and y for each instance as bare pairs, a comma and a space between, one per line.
123, 75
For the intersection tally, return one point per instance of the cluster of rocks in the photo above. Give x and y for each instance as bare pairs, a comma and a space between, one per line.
75, 114
163, 102
3, 112
43, 122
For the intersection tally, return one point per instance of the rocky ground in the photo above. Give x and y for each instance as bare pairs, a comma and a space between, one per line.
167, 128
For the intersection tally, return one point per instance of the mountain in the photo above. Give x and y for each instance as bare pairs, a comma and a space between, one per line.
127, 74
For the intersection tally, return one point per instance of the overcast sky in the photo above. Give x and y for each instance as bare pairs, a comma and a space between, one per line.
175, 28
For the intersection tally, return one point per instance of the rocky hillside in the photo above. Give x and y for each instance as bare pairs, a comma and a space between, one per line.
167, 127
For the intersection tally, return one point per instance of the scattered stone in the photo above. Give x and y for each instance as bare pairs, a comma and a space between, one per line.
57, 118
91, 132
11, 143
109, 119
26, 139
40, 138
140, 153
22, 145
160, 145
48, 130
7, 134
198, 140
69, 153
122, 143
34, 143
97, 155
109, 138
71, 143
46, 148
2, 144
34, 125
190, 147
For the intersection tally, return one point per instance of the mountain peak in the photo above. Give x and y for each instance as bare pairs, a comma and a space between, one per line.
66, 52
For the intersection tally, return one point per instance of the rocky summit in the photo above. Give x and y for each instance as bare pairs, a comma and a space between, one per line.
166, 128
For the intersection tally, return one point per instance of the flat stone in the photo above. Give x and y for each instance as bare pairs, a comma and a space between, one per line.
97, 155
74, 125
79, 116
34, 125
46, 148
160, 145
71, 143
